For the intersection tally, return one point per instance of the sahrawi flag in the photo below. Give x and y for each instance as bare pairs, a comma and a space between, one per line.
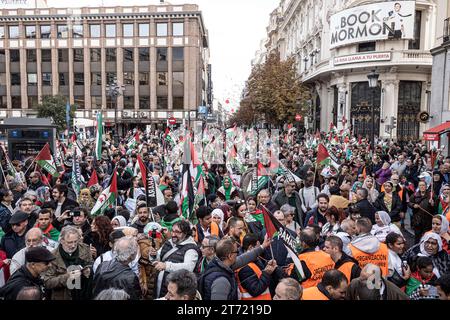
45, 160
275, 229
187, 187
107, 198
133, 141
99, 136
327, 157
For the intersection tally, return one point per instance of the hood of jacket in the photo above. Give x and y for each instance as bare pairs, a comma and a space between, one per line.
366, 243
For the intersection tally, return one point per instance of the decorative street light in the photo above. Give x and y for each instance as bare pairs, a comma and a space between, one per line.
114, 90
373, 84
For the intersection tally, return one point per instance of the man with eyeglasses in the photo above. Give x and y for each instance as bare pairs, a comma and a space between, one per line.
12, 242
29, 275
208, 249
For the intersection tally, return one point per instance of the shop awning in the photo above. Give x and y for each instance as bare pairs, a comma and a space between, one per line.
433, 134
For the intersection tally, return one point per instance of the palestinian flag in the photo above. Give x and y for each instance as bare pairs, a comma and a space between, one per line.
327, 157
134, 141
271, 231
93, 180
45, 160
187, 187
168, 138
107, 198
258, 183
99, 137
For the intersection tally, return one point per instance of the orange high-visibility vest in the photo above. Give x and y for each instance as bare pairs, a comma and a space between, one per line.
247, 296
313, 293
379, 258
214, 230
318, 262
346, 269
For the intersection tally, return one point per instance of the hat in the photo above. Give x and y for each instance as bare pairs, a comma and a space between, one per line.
18, 217
38, 254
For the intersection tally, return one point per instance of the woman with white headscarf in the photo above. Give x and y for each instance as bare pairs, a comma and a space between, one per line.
383, 226
118, 221
430, 246
440, 226
218, 217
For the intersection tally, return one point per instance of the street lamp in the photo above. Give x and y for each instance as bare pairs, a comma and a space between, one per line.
373, 84
114, 90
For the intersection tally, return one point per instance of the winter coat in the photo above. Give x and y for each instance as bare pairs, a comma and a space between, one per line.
114, 274
396, 207
56, 276
280, 199
147, 272
367, 209
20, 279
421, 220
11, 243
314, 217
358, 290
5, 215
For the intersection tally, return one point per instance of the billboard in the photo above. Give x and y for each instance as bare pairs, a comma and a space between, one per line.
379, 21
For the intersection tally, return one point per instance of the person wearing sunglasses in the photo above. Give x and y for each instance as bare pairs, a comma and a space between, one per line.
38, 261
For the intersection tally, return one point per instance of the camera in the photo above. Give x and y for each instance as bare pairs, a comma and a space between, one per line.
75, 213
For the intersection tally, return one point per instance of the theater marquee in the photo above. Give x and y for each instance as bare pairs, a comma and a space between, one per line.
362, 57
379, 21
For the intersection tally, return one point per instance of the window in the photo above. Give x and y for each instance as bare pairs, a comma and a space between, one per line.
46, 78
79, 101
63, 31
161, 54
94, 30
110, 77
16, 102
161, 29
96, 55
110, 54
31, 55
128, 54
178, 103
32, 79
178, 28
367, 46
178, 78
128, 78
77, 30
128, 102
144, 54
3, 102
63, 79
15, 79
110, 30
144, 102
32, 102
162, 78
13, 32
415, 43
96, 102
96, 78
2, 79
162, 102
63, 55
46, 55
15, 55
144, 30
144, 78
2, 32
78, 79
128, 30
46, 31
178, 53
30, 32
78, 55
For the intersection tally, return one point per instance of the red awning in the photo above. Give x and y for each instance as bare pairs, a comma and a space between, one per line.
433, 134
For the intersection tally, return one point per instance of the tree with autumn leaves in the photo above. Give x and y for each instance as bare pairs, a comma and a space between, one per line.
273, 94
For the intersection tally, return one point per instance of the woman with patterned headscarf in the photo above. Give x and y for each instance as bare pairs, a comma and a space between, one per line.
85, 199
43, 195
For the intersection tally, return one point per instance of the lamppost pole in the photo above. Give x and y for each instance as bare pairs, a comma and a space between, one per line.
114, 90
373, 84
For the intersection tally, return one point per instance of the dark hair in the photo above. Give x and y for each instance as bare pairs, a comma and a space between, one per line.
333, 278
335, 242
237, 205
338, 214
423, 262
62, 188
392, 238
335, 191
3, 194
364, 192
49, 205
203, 212
316, 228
323, 195
249, 240
232, 222
186, 282
444, 283
46, 211
224, 248
365, 224
124, 213
104, 228
309, 238
251, 198
171, 207
116, 234
140, 206
184, 226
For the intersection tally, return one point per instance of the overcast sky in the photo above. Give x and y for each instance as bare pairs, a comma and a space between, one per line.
236, 28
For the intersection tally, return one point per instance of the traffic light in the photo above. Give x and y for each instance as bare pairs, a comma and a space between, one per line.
393, 123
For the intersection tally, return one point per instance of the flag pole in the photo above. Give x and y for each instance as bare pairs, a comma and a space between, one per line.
6, 180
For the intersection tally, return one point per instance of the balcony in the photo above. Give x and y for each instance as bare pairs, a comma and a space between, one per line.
447, 30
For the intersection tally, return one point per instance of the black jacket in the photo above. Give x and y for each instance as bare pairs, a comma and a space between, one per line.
67, 204
5, 215
20, 279
113, 274
367, 209
11, 243
396, 207
251, 283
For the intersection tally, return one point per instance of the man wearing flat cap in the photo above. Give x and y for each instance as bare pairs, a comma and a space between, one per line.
12, 242
29, 275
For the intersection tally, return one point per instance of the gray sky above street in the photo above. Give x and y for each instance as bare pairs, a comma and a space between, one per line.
235, 27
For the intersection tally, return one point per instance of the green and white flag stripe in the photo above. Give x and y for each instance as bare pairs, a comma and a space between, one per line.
99, 136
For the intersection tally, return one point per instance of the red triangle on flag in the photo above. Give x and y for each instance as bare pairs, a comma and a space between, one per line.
113, 185
322, 153
262, 171
268, 224
93, 180
137, 137
143, 170
44, 154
